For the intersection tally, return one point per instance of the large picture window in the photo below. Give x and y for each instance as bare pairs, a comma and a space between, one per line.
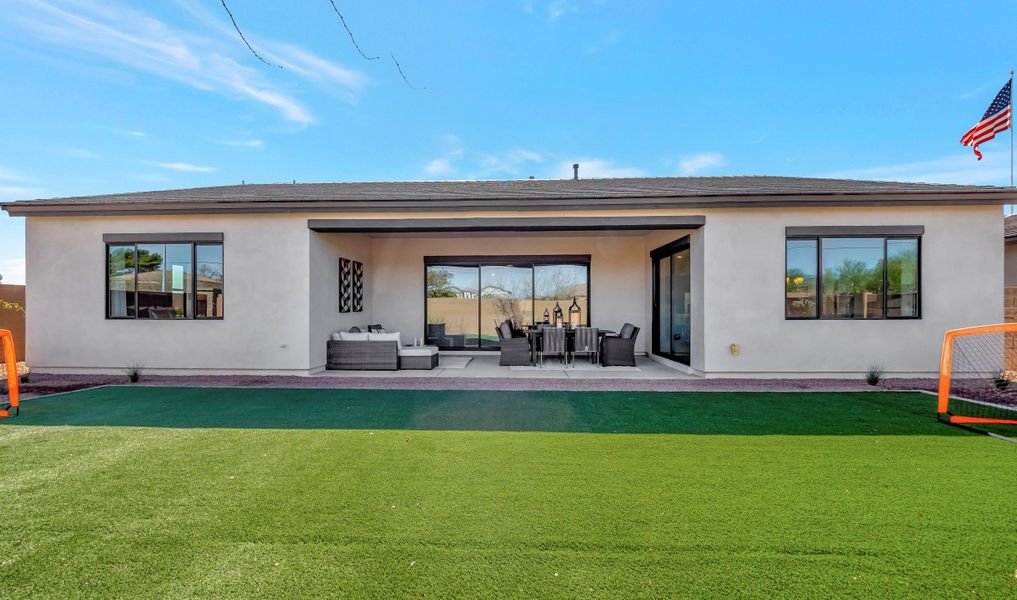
467, 297
164, 280
852, 277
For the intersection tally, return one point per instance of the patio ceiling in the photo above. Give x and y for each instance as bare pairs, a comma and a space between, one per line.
508, 224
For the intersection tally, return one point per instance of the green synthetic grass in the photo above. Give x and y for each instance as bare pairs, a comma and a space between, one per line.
170, 492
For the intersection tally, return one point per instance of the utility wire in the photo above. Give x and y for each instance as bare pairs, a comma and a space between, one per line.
347, 28
248, 44
400, 69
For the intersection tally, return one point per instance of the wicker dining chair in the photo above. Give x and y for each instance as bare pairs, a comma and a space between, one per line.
587, 341
553, 343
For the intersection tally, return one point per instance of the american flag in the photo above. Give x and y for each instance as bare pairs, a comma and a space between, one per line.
995, 120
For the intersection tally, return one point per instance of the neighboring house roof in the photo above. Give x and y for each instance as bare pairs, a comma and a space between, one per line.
528, 194
1010, 228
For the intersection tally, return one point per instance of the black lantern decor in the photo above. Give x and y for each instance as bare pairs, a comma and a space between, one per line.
559, 318
547, 317
575, 314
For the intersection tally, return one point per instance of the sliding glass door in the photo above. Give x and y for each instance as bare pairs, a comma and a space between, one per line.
466, 298
506, 293
672, 301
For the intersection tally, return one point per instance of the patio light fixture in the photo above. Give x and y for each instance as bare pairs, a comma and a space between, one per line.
575, 314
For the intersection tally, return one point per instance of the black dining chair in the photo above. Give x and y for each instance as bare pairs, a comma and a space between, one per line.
552, 341
586, 341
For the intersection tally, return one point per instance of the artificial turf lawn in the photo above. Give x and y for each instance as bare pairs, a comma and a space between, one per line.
168, 492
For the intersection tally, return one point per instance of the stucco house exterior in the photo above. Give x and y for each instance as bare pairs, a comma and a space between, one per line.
726, 276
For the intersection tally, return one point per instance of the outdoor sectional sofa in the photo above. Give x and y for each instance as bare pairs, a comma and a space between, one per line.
377, 351
363, 352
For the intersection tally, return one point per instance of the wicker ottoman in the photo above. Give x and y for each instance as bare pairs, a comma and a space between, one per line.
418, 357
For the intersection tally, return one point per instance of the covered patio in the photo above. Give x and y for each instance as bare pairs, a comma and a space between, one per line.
451, 282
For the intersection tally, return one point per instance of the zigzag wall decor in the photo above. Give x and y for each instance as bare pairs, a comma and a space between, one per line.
358, 286
345, 285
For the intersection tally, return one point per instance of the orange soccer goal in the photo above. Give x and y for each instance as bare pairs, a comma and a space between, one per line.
10, 362
978, 375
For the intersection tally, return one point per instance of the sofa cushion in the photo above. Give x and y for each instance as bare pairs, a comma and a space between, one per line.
383, 337
337, 336
418, 351
354, 337
626, 331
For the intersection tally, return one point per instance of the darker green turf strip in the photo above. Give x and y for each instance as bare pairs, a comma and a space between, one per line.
400, 494
863, 413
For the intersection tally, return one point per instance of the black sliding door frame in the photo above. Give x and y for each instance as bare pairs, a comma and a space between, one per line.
523, 261
656, 255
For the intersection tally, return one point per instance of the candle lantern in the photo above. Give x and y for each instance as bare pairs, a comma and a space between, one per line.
559, 318
547, 317
575, 314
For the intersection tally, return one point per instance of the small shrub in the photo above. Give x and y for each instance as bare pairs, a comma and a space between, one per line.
134, 373
875, 374
1001, 382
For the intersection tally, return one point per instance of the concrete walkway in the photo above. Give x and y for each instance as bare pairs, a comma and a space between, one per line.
487, 367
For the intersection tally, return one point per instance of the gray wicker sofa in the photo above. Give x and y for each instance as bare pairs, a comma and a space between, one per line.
363, 355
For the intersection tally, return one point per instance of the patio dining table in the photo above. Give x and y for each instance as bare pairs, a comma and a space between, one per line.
532, 333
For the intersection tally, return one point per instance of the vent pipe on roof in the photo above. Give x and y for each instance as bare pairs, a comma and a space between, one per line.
575, 171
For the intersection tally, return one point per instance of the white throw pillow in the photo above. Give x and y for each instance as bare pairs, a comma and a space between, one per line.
353, 337
384, 337
337, 336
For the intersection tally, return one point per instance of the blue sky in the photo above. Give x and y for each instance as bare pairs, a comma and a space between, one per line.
112, 96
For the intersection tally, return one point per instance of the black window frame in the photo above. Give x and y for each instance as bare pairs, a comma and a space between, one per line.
531, 261
885, 293
120, 241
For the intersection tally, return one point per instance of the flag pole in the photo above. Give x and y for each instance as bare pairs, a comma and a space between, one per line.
1011, 128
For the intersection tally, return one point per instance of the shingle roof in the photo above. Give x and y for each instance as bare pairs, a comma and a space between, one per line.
526, 193
1010, 227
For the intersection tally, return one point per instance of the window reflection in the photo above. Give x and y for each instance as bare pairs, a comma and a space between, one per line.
465, 303
800, 278
902, 277
208, 298
560, 284
452, 306
156, 281
853, 278
120, 263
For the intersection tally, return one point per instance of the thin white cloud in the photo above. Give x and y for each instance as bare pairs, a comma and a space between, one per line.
438, 166
206, 62
185, 167
593, 168
134, 133
612, 38
13, 270
510, 162
11, 175
16, 192
252, 143
445, 164
962, 168
701, 162
557, 9
80, 153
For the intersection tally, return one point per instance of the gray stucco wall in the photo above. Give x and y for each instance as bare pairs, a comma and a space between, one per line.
281, 291
266, 299
962, 259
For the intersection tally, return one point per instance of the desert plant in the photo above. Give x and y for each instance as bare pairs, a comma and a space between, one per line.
5, 305
134, 371
875, 374
1000, 381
